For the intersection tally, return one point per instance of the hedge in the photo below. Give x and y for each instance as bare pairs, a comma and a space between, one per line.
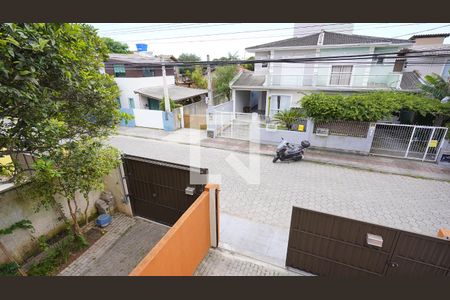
370, 106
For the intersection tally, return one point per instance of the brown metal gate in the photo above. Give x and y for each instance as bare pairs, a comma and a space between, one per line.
330, 245
161, 191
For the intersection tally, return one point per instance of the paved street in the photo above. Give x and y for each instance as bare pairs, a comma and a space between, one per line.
413, 204
223, 263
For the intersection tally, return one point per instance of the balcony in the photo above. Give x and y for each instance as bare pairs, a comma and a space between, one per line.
337, 82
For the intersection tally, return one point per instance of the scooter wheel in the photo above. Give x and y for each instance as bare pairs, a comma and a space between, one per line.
275, 159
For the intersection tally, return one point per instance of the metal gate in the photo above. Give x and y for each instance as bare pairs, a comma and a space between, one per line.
408, 141
159, 190
236, 125
329, 245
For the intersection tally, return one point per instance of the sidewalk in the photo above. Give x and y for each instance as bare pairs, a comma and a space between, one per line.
372, 163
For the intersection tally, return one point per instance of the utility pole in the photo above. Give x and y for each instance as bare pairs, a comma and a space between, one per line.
210, 93
166, 89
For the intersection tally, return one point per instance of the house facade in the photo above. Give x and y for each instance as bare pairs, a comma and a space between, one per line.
276, 86
135, 71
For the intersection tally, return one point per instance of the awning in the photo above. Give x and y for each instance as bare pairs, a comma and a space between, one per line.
176, 93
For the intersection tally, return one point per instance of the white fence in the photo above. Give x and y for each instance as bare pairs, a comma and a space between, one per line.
148, 118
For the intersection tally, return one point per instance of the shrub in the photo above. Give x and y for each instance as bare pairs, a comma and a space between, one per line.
288, 117
372, 106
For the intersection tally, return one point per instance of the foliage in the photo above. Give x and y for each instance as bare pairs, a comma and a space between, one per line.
229, 57
436, 87
116, 46
222, 78
9, 269
199, 79
187, 57
56, 256
58, 107
23, 224
371, 106
76, 166
288, 117
51, 88
250, 67
173, 105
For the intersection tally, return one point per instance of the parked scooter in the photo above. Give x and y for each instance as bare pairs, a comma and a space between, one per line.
288, 151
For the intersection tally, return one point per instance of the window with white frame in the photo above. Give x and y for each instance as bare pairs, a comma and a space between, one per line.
279, 103
341, 75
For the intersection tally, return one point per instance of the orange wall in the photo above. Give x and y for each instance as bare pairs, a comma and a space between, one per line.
183, 247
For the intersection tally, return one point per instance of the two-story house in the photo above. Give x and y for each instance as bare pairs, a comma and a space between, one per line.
138, 70
276, 86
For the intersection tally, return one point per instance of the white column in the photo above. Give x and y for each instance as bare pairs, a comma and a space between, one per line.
166, 89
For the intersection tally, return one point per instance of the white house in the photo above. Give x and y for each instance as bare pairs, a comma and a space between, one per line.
276, 86
135, 71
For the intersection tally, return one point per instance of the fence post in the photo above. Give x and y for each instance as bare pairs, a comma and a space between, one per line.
213, 190
410, 141
428, 144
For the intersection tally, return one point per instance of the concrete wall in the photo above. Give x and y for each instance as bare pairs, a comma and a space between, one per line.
127, 87
148, 118
242, 99
331, 142
16, 206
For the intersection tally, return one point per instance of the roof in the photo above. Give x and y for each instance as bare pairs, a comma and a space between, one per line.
135, 58
410, 81
249, 79
176, 93
431, 35
330, 38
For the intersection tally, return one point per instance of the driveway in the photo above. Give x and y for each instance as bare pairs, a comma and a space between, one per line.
412, 204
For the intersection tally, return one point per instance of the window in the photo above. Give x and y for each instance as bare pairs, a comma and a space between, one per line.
278, 102
148, 72
341, 75
119, 71
399, 65
131, 102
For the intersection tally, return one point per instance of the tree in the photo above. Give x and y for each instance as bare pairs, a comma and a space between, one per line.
173, 105
55, 104
187, 57
222, 78
116, 46
249, 66
199, 79
436, 86
229, 57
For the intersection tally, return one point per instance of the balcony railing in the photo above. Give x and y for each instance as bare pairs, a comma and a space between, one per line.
381, 81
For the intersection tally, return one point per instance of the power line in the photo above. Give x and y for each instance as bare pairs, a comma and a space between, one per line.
423, 31
126, 31
254, 31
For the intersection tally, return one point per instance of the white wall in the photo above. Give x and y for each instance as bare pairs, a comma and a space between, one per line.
127, 87
148, 118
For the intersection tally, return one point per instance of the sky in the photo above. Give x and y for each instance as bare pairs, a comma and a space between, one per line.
219, 39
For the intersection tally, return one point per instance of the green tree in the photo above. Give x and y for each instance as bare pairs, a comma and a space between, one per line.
54, 103
436, 86
249, 66
187, 57
222, 78
229, 57
199, 79
116, 46
173, 105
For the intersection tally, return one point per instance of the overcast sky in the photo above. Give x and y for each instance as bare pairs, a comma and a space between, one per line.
217, 39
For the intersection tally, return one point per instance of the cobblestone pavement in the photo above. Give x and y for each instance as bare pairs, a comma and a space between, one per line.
223, 263
116, 253
413, 204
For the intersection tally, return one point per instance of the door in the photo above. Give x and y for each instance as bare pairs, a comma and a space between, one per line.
279, 103
158, 190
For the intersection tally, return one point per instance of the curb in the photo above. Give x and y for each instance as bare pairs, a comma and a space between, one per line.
318, 161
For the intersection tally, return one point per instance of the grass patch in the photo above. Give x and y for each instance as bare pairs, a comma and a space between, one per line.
58, 256
9, 269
